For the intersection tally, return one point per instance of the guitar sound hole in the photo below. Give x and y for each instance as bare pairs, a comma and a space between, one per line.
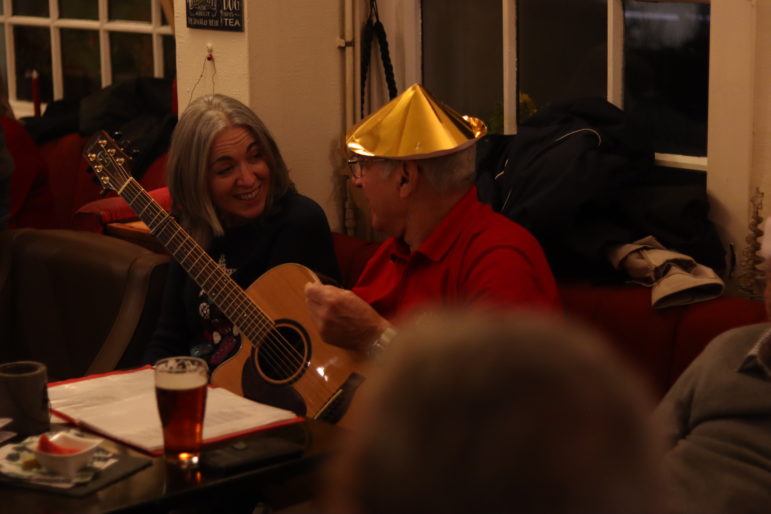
284, 353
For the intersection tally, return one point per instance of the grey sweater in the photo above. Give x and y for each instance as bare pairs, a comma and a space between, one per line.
717, 423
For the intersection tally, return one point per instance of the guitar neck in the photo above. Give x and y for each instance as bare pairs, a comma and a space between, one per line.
210, 276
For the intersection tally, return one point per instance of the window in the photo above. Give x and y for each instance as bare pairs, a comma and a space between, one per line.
561, 51
666, 73
464, 34
737, 90
649, 58
76, 47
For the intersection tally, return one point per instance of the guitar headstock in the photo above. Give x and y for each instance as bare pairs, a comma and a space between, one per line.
108, 161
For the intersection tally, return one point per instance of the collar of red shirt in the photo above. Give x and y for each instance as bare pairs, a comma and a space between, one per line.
445, 234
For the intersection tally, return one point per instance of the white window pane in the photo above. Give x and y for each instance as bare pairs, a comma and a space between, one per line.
30, 7
79, 9
131, 56
562, 51
3, 62
80, 62
463, 56
169, 57
666, 72
33, 52
133, 10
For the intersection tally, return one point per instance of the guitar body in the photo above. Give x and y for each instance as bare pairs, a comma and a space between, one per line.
291, 367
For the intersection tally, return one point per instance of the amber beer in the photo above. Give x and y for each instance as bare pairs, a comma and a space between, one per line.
180, 388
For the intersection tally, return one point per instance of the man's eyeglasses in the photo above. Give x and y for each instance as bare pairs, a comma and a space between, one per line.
356, 166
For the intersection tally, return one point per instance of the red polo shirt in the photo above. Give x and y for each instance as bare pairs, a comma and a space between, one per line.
473, 256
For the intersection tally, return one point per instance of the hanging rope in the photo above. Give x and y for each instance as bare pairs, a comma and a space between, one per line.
373, 27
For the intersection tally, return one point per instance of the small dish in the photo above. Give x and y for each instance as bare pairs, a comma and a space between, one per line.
68, 464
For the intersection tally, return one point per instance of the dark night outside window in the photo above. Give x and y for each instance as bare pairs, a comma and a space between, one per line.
666, 73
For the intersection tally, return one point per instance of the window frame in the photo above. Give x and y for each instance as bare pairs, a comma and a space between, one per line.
102, 25
615, 80
737, 121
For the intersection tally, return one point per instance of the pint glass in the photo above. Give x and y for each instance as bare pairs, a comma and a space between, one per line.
180, 388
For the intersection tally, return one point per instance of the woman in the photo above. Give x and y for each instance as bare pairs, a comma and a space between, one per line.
231, 191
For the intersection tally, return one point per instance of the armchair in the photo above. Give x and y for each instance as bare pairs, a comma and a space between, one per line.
80, 302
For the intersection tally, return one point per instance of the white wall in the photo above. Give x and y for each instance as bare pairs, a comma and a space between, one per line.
762, 102
739, 160
288, 68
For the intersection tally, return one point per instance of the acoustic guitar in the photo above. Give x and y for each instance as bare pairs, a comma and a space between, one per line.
281, 360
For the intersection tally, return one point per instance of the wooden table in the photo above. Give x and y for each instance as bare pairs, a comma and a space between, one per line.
161, 488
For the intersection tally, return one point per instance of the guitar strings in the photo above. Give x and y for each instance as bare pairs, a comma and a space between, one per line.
281, 353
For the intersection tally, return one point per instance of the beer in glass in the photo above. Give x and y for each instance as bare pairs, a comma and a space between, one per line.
180, 388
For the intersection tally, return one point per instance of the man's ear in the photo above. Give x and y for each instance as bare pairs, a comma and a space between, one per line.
409, 176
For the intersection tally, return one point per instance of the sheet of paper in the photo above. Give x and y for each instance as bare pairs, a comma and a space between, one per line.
123, 406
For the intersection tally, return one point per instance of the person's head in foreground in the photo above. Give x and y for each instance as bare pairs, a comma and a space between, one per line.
494, 413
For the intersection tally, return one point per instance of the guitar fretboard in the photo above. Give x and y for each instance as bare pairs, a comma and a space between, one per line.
210, 276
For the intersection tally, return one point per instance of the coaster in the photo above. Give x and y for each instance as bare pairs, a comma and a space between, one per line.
18, 466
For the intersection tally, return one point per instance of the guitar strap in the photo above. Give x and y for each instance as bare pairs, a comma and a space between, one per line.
374, 27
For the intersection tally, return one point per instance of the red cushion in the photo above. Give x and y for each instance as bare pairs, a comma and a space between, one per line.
94, 215
72, 185
352, 255
155, 175
32, 202
659, 343
701, 322
623, 313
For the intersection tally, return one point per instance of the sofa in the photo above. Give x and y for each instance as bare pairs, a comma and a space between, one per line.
659, 343
80, 302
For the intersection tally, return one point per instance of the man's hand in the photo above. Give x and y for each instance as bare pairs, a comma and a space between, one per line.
343, 319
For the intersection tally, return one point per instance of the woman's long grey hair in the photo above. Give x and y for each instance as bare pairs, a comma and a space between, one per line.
187, 167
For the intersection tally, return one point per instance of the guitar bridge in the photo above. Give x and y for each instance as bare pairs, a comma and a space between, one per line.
338, 404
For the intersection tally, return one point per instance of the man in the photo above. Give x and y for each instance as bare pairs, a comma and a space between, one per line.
414, 161
717, 420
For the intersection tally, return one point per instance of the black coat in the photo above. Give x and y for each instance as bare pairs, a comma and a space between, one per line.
581, 177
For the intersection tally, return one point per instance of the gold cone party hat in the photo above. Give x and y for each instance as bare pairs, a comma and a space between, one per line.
414, 125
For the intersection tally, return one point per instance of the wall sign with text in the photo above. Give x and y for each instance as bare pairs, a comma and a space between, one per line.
215, 14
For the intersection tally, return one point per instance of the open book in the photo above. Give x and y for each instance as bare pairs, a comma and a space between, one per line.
122, 406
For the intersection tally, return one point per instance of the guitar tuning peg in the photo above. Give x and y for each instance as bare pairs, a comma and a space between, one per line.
95, 180
103, 192
117, 135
